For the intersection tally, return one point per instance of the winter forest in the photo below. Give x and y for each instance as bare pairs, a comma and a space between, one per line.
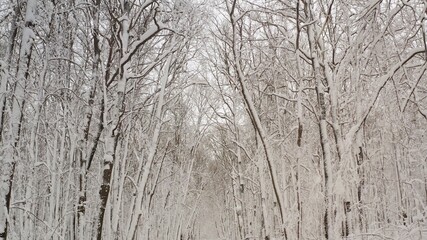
213, 119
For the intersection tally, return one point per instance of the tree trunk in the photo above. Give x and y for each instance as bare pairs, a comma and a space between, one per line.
8, 159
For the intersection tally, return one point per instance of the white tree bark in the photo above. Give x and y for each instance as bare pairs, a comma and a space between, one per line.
8, 156
145, 171
241, 78
324, 139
